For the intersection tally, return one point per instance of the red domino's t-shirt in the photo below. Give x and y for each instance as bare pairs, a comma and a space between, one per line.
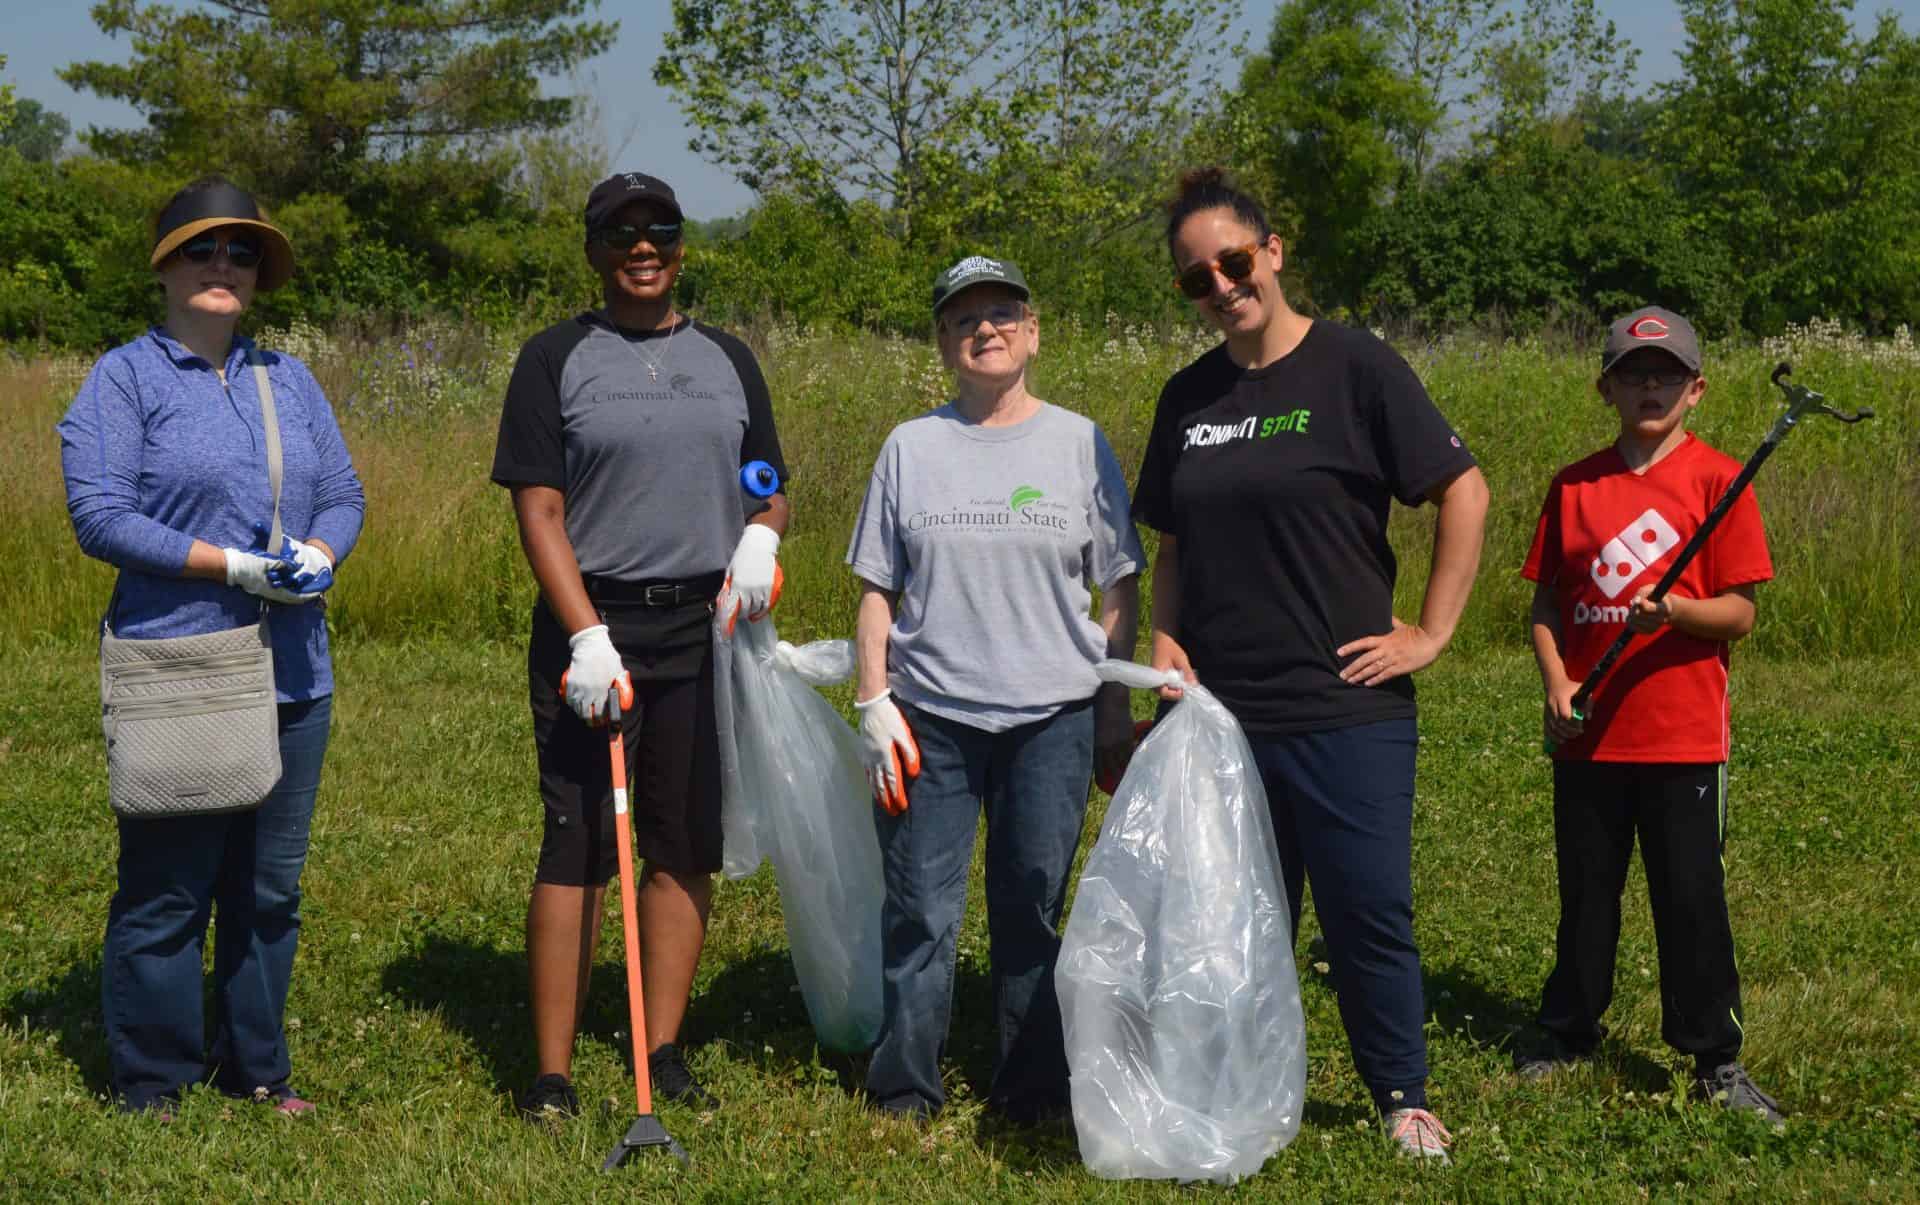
1605, 532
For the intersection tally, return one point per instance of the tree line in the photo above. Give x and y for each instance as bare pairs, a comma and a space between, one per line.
1433, 162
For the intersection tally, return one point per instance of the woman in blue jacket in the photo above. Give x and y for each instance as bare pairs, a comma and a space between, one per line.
166, 474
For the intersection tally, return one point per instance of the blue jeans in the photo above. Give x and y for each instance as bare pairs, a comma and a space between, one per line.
174, 873
1342, 804
1032, 781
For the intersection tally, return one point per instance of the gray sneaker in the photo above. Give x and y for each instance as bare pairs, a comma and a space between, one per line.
1545, 1055
1729, 1086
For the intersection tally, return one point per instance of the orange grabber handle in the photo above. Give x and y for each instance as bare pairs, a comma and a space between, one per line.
629, 917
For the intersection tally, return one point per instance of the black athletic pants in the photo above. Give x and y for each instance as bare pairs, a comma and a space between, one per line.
1679, 812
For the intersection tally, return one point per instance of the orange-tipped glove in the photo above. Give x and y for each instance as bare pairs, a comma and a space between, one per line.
753, 575
889, 751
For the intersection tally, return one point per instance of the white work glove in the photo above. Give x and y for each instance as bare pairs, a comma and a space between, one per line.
593, 671
250, 571
306, 570
753, 575
888, 750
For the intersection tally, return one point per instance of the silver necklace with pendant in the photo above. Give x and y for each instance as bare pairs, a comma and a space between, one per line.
653, 366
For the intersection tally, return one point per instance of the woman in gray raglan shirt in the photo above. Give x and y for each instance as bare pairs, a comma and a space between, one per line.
985, 527
622, 438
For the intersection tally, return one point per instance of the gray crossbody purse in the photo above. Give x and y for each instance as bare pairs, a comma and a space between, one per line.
191, 722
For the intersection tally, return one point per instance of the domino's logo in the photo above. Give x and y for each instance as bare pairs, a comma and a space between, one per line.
1632, 552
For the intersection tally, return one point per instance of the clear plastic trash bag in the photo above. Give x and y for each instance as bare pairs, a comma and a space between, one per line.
1184, 1030
793, 791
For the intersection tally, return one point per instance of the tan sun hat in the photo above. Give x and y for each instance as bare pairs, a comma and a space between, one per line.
210, 204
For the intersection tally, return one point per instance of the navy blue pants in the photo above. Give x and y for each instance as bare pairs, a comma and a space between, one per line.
175, 874
1031, 781
1342, 803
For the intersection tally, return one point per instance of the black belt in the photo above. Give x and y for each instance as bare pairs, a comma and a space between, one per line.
657, 592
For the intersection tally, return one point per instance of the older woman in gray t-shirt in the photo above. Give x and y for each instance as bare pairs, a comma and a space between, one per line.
986, 526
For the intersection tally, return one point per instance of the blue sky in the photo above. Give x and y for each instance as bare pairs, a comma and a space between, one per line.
641, 120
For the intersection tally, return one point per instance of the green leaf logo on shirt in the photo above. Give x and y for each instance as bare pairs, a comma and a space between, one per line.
1023, 497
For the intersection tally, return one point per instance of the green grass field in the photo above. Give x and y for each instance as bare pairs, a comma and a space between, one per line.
407, 1016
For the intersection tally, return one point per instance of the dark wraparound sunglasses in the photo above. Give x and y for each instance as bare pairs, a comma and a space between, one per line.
1236, 264
622, 238
243, 251
1666, 378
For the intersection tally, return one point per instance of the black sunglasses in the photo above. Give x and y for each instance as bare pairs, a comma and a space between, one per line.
1235, 264
243, 251
1666, 378
623, 237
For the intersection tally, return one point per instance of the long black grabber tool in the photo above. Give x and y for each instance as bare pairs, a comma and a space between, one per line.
646, 1131
1801, 402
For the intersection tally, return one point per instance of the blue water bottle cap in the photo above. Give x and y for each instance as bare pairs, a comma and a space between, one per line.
759, 479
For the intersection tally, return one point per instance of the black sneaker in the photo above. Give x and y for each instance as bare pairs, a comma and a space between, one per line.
672, 1081
1032, 1113
1729, 1086
552, 1096
1544, 1055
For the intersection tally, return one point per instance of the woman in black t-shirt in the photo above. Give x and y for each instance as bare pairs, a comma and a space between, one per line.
1269, 474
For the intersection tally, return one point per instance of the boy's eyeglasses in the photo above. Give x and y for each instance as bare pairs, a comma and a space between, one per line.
242, 251
1637, 378
623, 238
1236, 264
1004, 315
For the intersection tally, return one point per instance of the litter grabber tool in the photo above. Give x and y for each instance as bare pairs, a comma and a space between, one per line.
1801, 401
646, 1132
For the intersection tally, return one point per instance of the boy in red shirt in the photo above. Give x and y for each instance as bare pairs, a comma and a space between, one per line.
1651, 758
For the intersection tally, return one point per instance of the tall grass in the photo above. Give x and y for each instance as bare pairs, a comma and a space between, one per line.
439, 555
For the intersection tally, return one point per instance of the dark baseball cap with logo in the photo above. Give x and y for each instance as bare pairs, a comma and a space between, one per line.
624, 188
977, 270
1655, 327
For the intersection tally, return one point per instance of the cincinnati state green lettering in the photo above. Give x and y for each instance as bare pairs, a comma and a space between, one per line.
1294, 421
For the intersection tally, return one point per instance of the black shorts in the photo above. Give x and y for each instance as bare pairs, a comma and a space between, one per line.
673, 751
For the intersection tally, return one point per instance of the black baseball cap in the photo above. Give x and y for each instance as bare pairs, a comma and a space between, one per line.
1651, 326
977, 270
624, 188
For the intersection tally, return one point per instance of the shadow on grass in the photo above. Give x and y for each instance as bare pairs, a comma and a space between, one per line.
474, 987
71, 1008
753, 1005
1464, 1004
755, 1002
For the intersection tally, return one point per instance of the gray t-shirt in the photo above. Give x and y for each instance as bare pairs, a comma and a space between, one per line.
644, 432
992, 536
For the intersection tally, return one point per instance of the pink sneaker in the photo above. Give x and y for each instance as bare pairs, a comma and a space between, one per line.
286, 1102
293, 1106
1419, 1135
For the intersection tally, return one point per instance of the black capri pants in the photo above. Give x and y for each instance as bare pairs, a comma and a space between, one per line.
673, 751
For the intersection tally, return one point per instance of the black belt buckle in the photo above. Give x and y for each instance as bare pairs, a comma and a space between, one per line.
661, 594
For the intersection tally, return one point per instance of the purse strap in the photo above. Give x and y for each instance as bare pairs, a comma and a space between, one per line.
271, 420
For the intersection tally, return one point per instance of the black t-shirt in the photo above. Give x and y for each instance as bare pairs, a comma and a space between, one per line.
1276, 483
645, 433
